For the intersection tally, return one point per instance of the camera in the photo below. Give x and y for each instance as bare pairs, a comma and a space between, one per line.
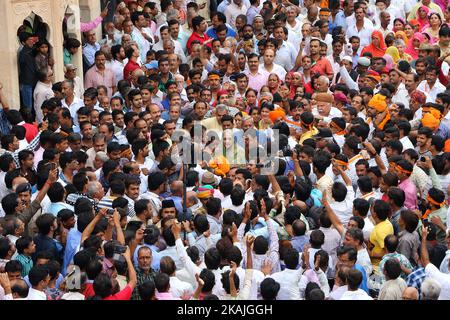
360, 146
119, 249
110, 212
422, 159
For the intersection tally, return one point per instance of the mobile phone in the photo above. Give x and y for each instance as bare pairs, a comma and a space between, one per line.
360, 146
52, 165
110, 212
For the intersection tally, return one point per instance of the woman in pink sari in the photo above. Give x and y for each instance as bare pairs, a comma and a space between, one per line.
422, 17
413, 45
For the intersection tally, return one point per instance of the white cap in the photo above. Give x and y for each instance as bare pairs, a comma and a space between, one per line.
348, 58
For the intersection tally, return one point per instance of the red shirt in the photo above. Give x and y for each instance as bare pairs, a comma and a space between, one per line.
31, 131
125, 294
129, 68
89, 291
323, 67
195, 36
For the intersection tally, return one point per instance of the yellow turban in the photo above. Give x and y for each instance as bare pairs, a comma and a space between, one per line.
378, 102
220, 166
276, 115
430, 121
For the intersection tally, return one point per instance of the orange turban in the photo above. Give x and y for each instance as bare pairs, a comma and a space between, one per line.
220, 166
436, 113
447, 145
276, 115
378, 102
430, 121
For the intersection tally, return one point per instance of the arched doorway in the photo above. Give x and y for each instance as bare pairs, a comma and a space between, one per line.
35, 58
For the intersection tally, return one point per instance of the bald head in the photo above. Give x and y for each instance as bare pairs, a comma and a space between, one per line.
410, 293
177, 187
191, 198
19, 288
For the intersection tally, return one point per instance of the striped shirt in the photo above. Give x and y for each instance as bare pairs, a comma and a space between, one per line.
32, 146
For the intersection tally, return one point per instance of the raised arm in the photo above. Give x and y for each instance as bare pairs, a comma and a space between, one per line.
369, 147
297, 169
90, 227
423, 247
190, 266
3, 100
132, 277
119, 232
274, 245
233, 290
333, 217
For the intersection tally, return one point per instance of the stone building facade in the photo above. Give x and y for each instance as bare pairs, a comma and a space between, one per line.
52, 13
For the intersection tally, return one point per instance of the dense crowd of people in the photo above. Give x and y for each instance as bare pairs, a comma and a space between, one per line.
231, 150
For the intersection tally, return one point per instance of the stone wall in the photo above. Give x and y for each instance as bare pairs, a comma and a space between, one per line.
52, 13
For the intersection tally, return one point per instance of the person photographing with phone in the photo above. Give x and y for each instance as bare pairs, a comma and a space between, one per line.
435, 218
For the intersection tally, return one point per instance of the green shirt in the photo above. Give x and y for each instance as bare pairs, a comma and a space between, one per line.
26, 262
67, 57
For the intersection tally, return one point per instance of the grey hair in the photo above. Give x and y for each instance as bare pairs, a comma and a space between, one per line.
92, 189
102, 156
172, 14
221, 107
70, 83
98, 136
430, 289
324, 78
399, 42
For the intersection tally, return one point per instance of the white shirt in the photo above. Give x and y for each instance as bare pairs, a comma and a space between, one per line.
295, 33
407, 144
257, 278
144, 44
73, 296
365, 34
337, 293
232, 11
155, 201
277, 69
34, 294
355, 295
334, 112
401, 96
76, 104
368, 227
432, 93
42, 92
289, 281
363, 259
179, 288
286, 55
344, 209
117, 68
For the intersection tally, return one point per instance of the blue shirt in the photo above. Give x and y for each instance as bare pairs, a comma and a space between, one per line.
211, 32
72, 246
299, 242
339, 19
363, 285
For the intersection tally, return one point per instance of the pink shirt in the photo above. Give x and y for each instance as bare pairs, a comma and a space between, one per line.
165, 296
88, 26
410, 193
94, 78
256, 81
